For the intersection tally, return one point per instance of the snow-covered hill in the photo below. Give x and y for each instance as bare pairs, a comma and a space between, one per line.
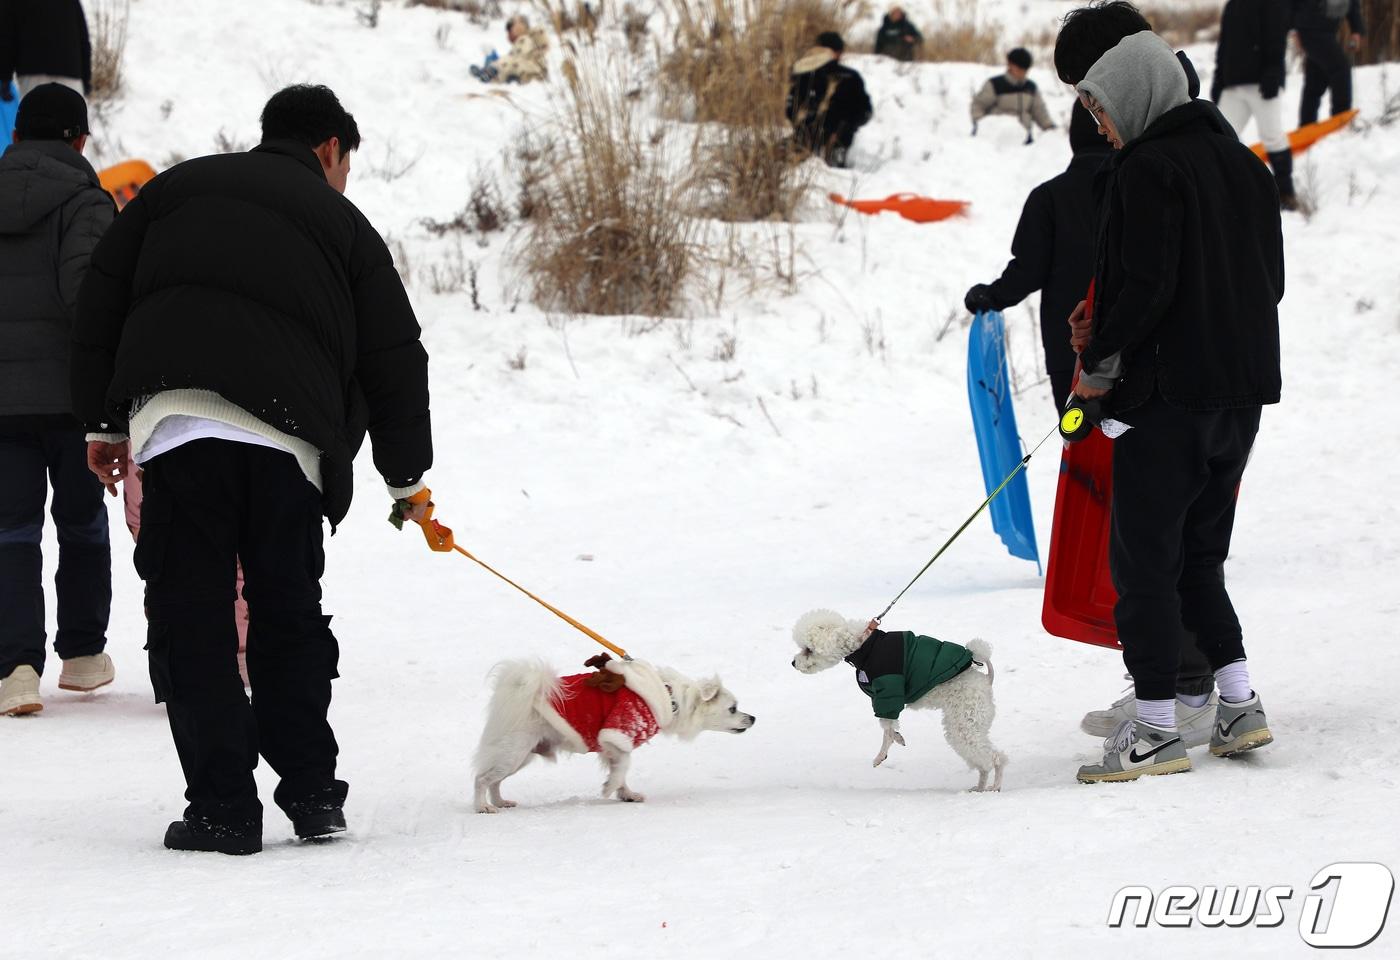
628, 472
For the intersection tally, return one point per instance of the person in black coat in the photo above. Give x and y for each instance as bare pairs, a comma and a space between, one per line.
243, 324
1053, 251
826, 101
1183, 346
1249, 73
1325, 64
44, 41
897, 37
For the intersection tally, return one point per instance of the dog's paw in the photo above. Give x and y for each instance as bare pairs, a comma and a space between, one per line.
505, 804
487, 808
880, 758
630, 796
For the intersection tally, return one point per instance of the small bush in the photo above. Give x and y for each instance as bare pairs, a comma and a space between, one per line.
1182, 23
108, 38
754, 173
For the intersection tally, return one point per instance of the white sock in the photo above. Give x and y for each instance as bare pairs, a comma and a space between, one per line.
1193, 700
1159, 713
1233, 682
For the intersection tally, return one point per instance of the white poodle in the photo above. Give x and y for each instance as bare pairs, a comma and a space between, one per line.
899, 669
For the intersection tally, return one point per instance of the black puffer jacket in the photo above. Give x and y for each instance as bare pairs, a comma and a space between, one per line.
1253, 35
52, 213
44, 36
1312, 16
247, 275
898, 39
1189, 267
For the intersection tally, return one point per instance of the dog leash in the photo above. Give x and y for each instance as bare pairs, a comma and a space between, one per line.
440, 540
968, 522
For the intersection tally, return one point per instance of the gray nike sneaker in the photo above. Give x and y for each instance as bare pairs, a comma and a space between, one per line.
1193, 723
1138, 749
1239, 727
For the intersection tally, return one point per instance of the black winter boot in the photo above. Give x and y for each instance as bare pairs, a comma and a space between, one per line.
319, 815
1282, 163
205, 837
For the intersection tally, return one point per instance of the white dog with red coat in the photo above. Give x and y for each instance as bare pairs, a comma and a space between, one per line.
610, 712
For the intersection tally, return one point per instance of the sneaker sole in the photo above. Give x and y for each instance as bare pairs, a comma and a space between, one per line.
22, 710
1181, 765
1245, 742
70, 685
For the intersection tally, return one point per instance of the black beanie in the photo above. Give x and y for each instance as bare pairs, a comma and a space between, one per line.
1084, 132
832, 41
1020, 57
52, 111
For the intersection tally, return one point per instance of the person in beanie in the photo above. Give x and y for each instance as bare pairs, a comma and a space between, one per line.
1249, 72
1325, 64
241, 327
1187, 360
1053, 251
897, 37
826, 101
1013, 94
53, 211
44, 41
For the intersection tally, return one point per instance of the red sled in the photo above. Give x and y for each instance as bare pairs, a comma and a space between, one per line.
1079, 594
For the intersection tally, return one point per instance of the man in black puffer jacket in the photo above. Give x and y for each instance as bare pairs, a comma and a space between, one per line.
826, 101
52, 214
1249, 73
1185, 335
1325, 63
243, 324
44, 41
1053, 251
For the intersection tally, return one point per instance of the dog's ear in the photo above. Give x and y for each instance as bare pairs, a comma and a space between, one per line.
709, 689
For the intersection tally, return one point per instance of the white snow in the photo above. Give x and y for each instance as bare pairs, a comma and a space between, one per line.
710, 534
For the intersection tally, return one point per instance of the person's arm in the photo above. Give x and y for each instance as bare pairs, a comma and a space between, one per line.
104, 299
983, 101
86, 43
9, 44
85, 219
1356, 20
1040, 113
1032, 249
1148, 256
1273, 43
790, 109
391, 367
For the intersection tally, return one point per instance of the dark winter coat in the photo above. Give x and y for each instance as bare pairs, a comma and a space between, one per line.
826, 102
1053, 250
890, 39
44, 36
1311, 16
1189, 267
248, 275
896, 669
1253, 37
52, 214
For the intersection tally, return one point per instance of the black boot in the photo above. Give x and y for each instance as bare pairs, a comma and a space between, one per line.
208, 837
1282, 163
319, 815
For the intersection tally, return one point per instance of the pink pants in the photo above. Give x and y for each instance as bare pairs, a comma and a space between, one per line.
131, 499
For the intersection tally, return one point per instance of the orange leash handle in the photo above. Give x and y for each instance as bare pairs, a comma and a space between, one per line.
440, 540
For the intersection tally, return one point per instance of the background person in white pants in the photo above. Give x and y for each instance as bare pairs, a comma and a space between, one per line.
1249, 72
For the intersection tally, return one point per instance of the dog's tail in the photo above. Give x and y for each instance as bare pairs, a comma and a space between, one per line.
519, 686
981, 652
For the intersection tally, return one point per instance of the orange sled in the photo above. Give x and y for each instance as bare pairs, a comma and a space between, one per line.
1304, 137
125, 180
910, 206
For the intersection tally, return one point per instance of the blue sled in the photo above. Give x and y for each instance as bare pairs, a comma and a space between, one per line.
8, 109
998, 443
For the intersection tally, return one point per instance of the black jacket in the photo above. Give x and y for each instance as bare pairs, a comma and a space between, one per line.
828, 100
1253, 36
1311, 16
44, 36
1053, 251
52, 213
890, 42
246, 274
1189, 267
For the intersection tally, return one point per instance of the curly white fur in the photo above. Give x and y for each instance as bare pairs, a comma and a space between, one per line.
824, 638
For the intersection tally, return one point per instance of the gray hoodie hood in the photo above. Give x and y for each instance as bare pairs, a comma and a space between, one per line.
1136, 82
36, 178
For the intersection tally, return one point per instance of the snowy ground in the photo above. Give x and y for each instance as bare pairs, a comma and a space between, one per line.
710, 531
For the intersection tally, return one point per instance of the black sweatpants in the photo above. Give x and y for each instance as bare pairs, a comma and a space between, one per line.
32, 461
1325, 65
207, 504
1175, 477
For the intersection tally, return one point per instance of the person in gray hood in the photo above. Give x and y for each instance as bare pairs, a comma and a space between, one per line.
53, 211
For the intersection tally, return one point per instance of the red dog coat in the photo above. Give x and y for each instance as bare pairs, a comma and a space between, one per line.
591, 710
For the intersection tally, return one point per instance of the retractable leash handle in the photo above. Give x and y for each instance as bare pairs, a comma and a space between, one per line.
1081, 416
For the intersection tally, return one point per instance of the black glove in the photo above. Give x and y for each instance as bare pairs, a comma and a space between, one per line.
979, 299
1268, 89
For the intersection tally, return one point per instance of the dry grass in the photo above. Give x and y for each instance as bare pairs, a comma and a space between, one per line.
957, 34
108, 20
1383, 26
753, 173
1181, 22
610, 233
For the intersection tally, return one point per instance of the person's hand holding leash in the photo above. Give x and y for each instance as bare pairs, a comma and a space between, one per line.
110, 462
